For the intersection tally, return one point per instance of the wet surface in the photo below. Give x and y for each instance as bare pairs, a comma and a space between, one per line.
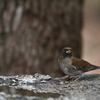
44, 87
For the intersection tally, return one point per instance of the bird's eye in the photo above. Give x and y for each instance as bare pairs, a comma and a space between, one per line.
65, 50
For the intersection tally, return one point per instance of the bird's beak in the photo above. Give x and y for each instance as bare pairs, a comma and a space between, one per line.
68, 51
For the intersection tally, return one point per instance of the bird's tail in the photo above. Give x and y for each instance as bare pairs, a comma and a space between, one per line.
94, 67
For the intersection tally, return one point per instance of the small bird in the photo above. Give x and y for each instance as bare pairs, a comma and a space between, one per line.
73, 66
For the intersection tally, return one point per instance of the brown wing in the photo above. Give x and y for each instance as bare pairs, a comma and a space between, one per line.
81, 64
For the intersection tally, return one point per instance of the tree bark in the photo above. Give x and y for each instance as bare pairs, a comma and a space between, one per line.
33, 33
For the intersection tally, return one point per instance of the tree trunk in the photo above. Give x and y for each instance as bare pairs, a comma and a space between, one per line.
33, 33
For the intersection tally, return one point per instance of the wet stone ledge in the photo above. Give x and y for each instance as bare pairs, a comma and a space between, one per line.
87, 88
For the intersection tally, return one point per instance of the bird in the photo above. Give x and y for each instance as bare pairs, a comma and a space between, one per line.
73, 66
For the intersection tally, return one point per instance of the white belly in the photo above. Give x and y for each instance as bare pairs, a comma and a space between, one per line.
70, 70
64, 69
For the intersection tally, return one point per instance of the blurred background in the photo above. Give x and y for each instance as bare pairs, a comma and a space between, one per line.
91, 32
33, 33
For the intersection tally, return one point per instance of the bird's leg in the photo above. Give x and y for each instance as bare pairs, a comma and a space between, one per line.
72, 81
75, 80
66, 78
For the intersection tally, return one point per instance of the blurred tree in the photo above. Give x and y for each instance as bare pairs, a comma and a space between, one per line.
33, 32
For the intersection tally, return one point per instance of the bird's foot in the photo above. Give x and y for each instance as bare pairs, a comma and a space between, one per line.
68, 78
77, 79
71, 82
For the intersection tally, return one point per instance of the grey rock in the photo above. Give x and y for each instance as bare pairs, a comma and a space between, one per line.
87, 88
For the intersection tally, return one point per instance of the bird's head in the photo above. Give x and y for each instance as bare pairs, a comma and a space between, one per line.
67, 52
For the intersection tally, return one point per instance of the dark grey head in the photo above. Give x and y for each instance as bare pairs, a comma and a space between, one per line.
67, 52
